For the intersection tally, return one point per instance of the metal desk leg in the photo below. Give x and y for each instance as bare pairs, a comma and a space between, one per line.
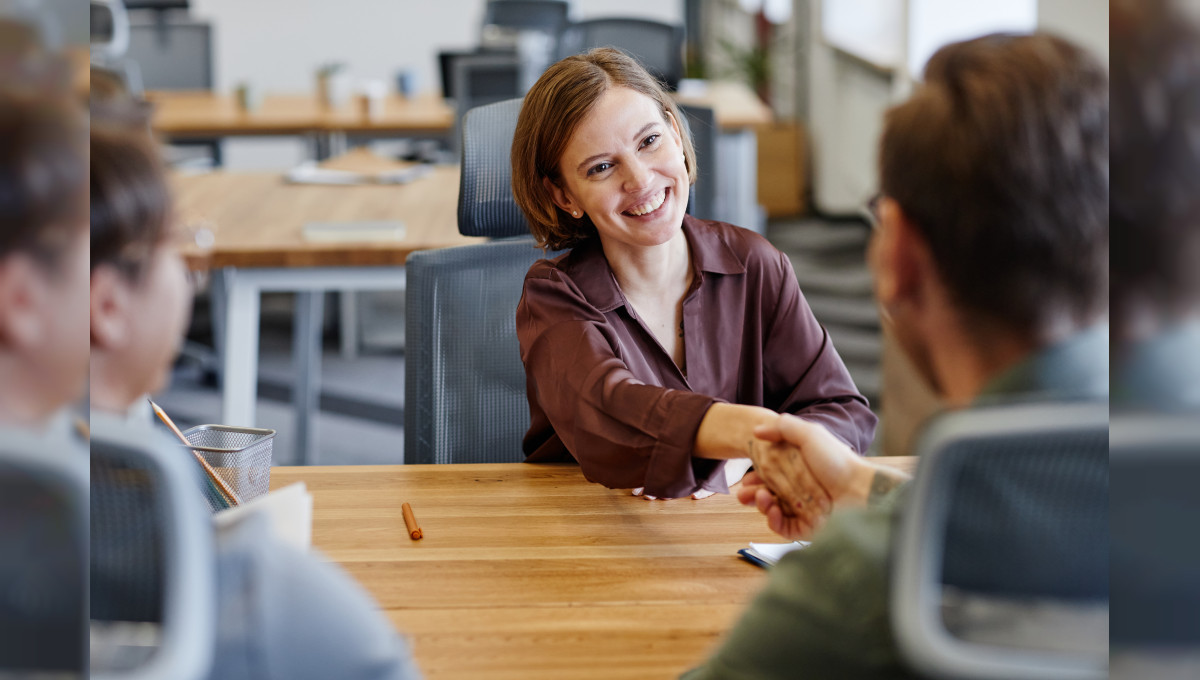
217, 309
239, 373
348, 325
737, 179
306, 367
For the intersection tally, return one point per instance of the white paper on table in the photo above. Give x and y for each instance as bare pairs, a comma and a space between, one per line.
309, 172
771, 553
289, 510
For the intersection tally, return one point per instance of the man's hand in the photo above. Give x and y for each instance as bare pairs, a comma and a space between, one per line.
781, 467
755, 492
828, 459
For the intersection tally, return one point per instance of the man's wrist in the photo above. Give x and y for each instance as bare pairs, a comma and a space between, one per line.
858, 491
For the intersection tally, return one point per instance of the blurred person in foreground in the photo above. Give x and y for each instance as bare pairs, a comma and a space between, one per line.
1155, 459
281, 612
990, 261
43, 356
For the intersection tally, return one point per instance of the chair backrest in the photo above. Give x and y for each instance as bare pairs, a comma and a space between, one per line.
464, 384
701, 124
657, 46
1154, 460
482, 79
1009, 508
485, 200
152, 562
548, 16
43, 556
172, 55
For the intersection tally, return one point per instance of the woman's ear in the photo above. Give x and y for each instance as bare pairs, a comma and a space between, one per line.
561, 197
110, 308
676, 131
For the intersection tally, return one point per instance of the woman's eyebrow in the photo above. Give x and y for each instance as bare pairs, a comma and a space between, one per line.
588, 161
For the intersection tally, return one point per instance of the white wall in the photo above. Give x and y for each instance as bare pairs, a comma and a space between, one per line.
278, 44
1084, 21
847, 98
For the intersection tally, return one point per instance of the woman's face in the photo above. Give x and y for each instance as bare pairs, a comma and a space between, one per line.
624, 168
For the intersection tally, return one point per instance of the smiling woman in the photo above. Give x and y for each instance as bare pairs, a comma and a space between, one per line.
655, 346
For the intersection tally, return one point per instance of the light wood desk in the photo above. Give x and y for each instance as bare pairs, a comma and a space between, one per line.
257, 220
208, 114
529, 572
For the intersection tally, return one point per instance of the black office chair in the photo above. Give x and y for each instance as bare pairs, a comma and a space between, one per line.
1006, 533
481, 79
548, 16
43, 556
175, 54
153, 590
464, 382
657, 46
1154, 460
701, 124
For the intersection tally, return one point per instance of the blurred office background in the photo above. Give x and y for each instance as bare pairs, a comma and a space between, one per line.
827, 70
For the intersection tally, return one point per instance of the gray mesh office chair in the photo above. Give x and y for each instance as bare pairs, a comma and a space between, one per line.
549, 16
1006, 530
482, 79
701, 124
464, 383
153, 609
1154, 460
657, 46
43, 556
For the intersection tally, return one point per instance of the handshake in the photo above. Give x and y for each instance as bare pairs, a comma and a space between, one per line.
801, 471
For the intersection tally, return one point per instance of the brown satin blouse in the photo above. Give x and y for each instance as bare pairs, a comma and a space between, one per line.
602, 389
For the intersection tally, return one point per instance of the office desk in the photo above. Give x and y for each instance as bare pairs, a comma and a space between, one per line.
257, 220
738, 111
200, 115
530, 572
208, 114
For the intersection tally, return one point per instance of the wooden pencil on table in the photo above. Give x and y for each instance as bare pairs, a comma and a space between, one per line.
230, 496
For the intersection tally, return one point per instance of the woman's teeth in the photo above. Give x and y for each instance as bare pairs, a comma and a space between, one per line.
649, 206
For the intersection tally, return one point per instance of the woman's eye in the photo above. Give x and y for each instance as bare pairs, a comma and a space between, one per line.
598, 168
650, 140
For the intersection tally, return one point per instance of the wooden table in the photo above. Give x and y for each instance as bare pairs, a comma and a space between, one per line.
529, 571
209, 114
257, 220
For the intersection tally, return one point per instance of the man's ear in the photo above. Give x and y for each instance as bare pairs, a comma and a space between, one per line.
110, 308
22, 288
903, 261
560, 196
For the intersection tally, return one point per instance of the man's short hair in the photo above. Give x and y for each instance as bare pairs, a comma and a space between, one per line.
1000, 158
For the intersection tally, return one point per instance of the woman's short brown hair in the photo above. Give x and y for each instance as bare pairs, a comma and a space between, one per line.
553, 108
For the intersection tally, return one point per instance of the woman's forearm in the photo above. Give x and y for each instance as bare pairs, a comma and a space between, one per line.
727, 430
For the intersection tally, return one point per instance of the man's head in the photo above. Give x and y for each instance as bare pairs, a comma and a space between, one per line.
994, 177
43, 251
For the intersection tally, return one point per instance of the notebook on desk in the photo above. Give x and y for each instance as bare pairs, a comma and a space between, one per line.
360, 231
766, 555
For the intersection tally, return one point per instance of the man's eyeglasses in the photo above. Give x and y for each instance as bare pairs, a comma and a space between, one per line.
870, 210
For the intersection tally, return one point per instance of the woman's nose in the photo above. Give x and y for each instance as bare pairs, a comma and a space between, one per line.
637, 175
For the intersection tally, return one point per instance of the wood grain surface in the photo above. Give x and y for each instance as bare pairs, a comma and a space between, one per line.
258, 218
531, 572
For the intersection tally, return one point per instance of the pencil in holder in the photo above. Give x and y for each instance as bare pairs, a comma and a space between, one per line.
241, 456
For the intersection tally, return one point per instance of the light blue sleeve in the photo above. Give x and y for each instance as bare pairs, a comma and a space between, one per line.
288, 614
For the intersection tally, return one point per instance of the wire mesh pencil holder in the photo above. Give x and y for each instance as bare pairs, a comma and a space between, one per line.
240, 456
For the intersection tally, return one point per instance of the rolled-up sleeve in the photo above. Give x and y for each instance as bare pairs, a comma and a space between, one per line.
623, 432
804, 375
